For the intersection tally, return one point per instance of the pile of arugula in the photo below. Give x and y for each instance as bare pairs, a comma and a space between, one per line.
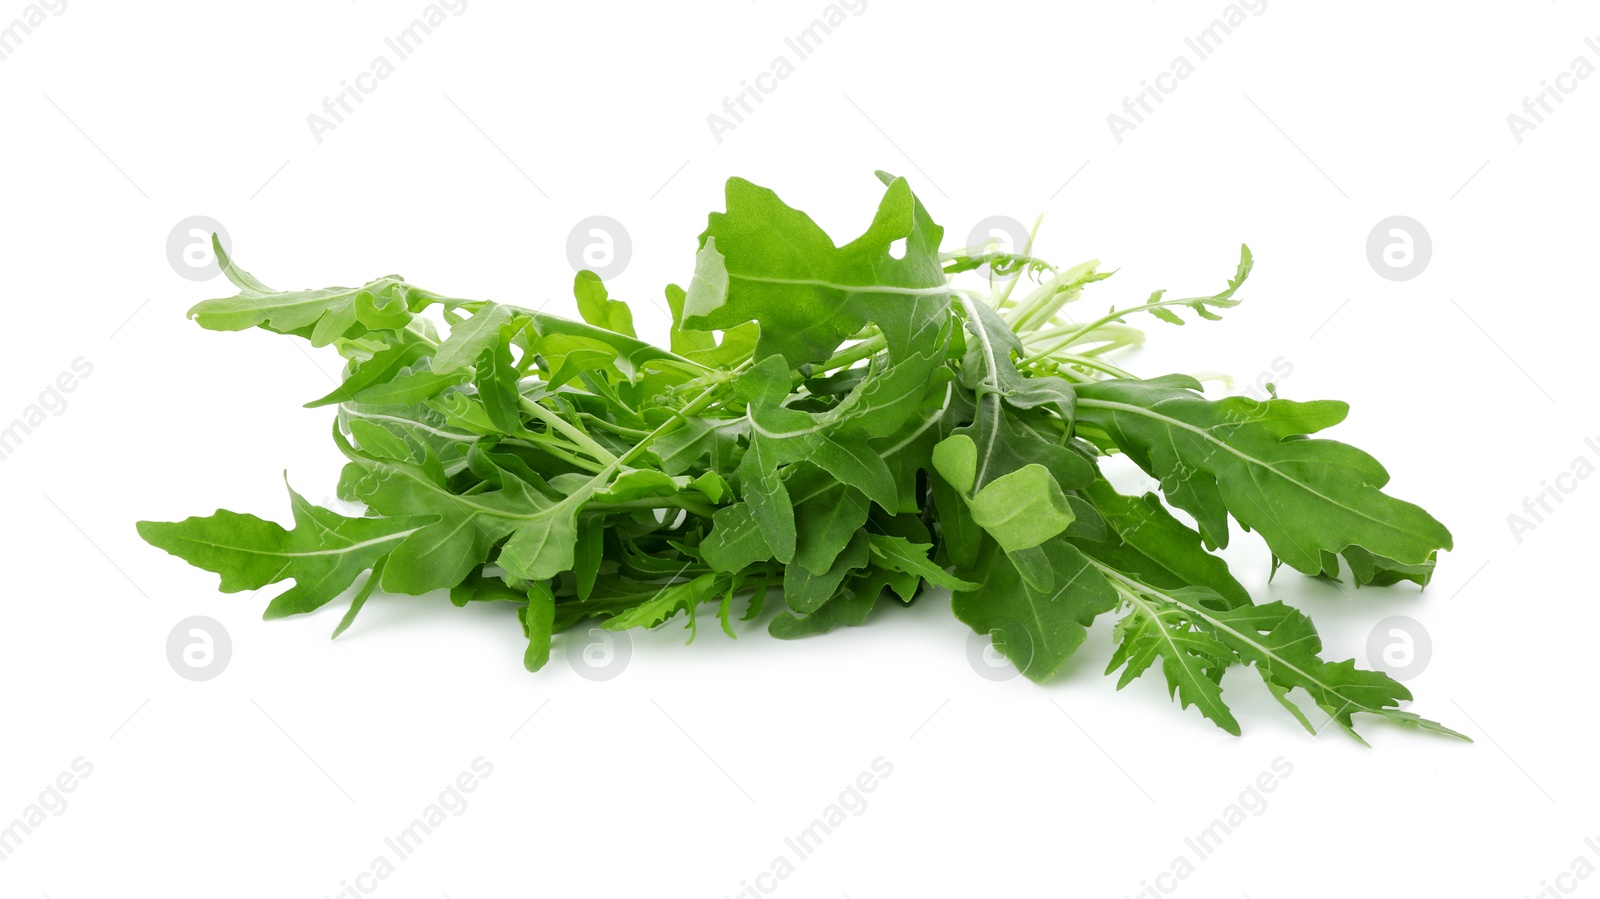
847, 424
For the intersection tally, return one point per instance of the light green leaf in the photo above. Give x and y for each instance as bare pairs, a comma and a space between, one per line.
291, 312
596, 306
1019, 510
323, 554
538, 621
1306, 497
763, 261
469, 337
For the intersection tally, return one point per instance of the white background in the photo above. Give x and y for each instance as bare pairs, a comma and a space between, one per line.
465, 171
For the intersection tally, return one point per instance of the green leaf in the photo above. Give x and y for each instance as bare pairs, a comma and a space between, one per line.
841, 418
589, 554
683, 596
848, 608
1192, 658
711, 445
736, 541
1146, 541
909, 452
989, 368
806, 592
1005, 440
497, 381
701, 346
900, 554
385, 308
469, 337
827, 515
464, 528
360, 598
408, 389
538, 620
291, 312
323, 554
1019, 510
633, 355
578, 362
545, 543
1202, 305
1283, 646
766, 262
1038, 630
1306, 497
786, 435
768, 499
381, 368
478, 587
596, 306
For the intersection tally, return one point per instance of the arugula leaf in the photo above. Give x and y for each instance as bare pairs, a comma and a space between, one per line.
1146, 541
736, 541
1283, 646
361, 597
463, 529
900, 554
701, 346
1192, 659
469, 337
804, 591
1019, 510
869, 421
596, 306
765, 262
668, 601
538, 622
1307, 497
991, 371
848, 608
375, 372
321, 316
1038, 629
323, 554
827, 516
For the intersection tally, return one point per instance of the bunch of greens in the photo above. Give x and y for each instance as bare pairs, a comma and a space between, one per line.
836, 426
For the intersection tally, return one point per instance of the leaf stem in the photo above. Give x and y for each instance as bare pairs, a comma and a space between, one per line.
1110, 317
704, 510
612, 426
560, 450
1096, 364
569, 430
1043, 304
1027, 249
695, 406
866, 349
